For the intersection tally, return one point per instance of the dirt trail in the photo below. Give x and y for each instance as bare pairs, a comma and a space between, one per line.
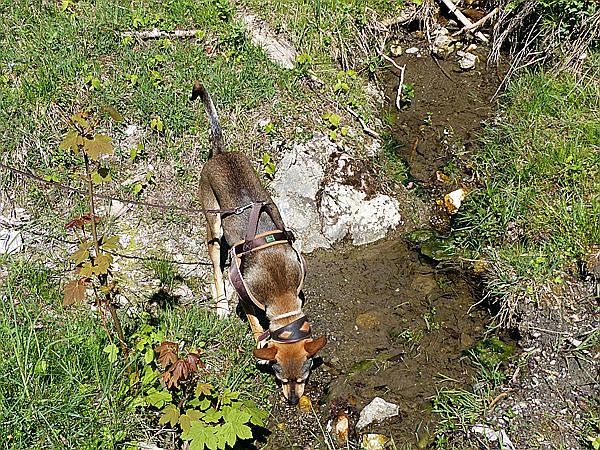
396, 324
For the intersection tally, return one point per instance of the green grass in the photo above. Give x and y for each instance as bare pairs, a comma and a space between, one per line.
537, 213
57, 387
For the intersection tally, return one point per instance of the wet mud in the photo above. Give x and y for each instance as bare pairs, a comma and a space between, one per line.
397, 329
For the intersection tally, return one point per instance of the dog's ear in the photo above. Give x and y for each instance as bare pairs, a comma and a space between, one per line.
315, 345
267, 353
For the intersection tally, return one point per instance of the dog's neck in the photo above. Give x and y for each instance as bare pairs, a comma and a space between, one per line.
282, 316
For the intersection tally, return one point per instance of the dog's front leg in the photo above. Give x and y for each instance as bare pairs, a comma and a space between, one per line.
257, 329
214, 252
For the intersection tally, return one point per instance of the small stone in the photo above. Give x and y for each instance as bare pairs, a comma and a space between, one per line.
341, 428
412, 51
184, 293
305, 404
443, 44
377, 410
367, 321
395, 50
467, 61
454, 199
374, 442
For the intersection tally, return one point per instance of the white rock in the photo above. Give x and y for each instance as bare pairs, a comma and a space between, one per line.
184, 292
492, 436
443, 44
11, 241
467, 61
378, 409
297, 181
276, 47
412, 51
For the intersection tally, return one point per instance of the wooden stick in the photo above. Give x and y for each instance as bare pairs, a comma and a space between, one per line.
155, 33
479, 23
365, 128
400, 86
463, 19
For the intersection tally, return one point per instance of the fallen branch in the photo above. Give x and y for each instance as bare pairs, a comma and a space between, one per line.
155, 33
364, 126
463, 19
479, 23
400, 87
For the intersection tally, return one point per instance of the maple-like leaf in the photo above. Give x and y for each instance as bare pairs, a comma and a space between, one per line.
101, 263
186, 419
81, 254
167, 353
170, 414
80, 118
212, 415
157, 398
75, 223
72, 140
201, 436
110, 243
179, 372
74, 292
102, 175
99, 145
112, 350
257, 415
193, 360
235, 425
116, 116
86, 270
203, 389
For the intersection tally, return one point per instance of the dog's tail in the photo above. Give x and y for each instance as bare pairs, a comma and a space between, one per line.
216, 136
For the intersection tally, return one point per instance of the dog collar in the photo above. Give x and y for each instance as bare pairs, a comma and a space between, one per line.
295, 331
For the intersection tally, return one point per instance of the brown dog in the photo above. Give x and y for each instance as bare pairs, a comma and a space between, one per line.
267, 272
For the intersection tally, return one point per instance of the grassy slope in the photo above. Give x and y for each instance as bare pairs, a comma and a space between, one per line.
537, 214
536, 217
57, 387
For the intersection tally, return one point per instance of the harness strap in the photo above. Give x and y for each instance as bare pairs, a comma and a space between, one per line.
252, 226
295, 331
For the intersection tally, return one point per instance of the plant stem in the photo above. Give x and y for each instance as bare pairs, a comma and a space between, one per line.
103, 278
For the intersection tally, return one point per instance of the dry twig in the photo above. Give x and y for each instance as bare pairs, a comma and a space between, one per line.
463, 19
155, 33
479, 23
400, 86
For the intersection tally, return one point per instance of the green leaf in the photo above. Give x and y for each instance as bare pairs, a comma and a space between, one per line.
235, 425
170, 414
102, 175
149, 355
201, 436
334, 120
116, 116
228, 396
157, 398
203, 389
41, 367
96, 83
137, 188
72, 140
112, 350
257, 415
133, 153
101, 263
212, 415
81, 254
99, 145
110, 243
185, 420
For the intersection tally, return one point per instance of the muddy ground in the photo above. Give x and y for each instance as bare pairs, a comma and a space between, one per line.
397, 325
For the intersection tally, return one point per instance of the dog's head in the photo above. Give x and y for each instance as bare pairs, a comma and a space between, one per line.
291, 363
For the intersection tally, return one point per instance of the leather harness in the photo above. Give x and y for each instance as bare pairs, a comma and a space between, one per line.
297, 330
